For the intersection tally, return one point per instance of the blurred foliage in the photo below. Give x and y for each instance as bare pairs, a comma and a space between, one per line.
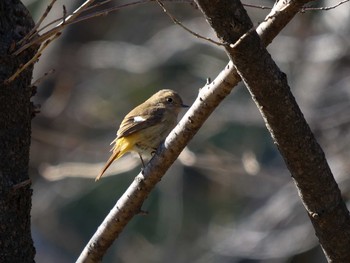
229, 198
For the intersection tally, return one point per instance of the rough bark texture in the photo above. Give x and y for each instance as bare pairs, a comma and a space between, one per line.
16, 243
303, 155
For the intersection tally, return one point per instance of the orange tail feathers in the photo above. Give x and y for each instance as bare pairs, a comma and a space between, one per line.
122, 145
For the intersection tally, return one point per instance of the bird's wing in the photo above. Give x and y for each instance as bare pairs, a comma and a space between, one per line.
136, 122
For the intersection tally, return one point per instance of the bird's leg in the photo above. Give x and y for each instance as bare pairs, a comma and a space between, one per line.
143, 163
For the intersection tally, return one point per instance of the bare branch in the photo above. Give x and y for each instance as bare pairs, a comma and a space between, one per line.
64, 18
33, 59
77, 12
38, 39
304, 9
34, 38
22, 184
105, 11
39, 80
77, 17
326, 8
48, 38
35, 28
257, 6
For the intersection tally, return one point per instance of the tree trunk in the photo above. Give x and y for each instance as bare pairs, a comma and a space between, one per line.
302, 154
16, 112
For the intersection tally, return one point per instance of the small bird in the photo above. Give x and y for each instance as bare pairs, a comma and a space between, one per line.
146, 126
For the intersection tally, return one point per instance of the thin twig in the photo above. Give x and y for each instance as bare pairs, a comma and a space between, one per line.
177, 22
72, 19
34, 29
304, 9
106, 11
48, 38
55, 32
325, 8
64, 14
97, 5
257, 6
50, 24
41, 38
69, 20
33, 59
96, 14
77, 11
37, 82
21, 184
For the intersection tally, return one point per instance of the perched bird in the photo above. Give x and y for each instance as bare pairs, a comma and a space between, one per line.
146, 126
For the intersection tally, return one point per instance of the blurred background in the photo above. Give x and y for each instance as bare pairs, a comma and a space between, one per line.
229, 197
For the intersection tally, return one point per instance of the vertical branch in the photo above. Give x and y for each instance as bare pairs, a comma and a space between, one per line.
302, 154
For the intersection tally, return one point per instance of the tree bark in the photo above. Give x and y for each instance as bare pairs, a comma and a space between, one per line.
302, 154
16, 112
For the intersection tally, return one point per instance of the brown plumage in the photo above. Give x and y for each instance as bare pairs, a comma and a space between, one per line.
146, 126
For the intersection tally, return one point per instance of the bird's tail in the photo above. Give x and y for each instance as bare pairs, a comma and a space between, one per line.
121, 146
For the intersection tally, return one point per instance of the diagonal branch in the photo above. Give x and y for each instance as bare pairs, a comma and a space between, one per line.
32, 60
38, 24
325, 8
208, 99
302, 154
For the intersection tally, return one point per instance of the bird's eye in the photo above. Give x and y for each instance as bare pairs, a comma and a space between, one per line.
170, 100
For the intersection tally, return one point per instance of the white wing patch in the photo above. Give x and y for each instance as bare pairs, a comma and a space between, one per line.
139, 119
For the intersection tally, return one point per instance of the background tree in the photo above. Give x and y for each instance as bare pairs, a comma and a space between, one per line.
16, 112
